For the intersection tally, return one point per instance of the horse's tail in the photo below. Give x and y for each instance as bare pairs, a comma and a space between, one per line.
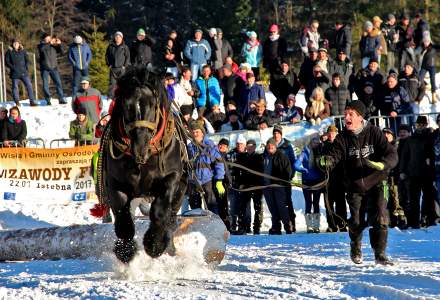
101, 209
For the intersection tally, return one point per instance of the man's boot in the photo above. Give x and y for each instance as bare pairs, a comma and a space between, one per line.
378, 241
356, 252
316, 222
355, 247
309, 223
234, 223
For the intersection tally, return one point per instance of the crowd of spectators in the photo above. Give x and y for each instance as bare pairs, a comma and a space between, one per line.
216, 91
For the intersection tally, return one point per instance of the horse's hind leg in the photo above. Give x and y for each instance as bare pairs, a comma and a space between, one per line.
125, 246
162, 217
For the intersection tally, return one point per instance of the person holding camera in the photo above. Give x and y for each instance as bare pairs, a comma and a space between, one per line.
48, 50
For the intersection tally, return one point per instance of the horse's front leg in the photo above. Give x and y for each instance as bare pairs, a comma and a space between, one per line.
125, 245
162, 218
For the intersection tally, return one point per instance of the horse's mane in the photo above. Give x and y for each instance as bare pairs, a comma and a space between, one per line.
137, 77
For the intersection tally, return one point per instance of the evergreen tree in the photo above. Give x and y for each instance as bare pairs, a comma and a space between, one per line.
98, 70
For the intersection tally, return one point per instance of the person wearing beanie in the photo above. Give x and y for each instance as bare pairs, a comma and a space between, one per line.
310, 38
48, 51
82, 128
422, 27
252, 52
367, 85
369, 44
403, 183
79, 56
395, 102
367, 157
277, 164
286, 146
310, 176
240, 223
254, 161
306, 70
274, 50
198, 52
429, 60
252, 91
231, 84
406, 43
223, 145
391, 36
88, 98
335, 189
417, 166
410, 81
233, 123
344, 67
338, 96
343, 38
284, 82
16, 59
141, 49
208, 168
396, 213
222, 49
222, 200
117, 58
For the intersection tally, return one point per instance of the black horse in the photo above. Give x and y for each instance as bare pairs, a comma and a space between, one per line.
141, 154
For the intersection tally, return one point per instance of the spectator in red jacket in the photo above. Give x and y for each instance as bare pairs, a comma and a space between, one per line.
90, 99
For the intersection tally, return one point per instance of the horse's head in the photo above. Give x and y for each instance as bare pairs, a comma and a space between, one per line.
141, 105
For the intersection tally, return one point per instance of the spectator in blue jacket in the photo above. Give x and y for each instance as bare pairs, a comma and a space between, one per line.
17, 61
252, 91
369, 44
252, 53
80, 56
311, 175
208, 167
210, 91
198, 51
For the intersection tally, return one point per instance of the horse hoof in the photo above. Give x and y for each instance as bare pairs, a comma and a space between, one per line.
156, 244
125, 250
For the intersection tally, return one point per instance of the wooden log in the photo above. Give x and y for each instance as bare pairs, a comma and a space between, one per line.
198, 229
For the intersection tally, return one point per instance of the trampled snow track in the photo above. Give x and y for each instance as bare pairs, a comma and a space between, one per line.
299, 266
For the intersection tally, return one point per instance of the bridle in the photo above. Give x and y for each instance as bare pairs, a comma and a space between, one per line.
160, 130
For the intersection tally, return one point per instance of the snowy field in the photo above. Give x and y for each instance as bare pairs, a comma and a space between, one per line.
298, 266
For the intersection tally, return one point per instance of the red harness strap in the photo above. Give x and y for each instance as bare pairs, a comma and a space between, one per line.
159, 134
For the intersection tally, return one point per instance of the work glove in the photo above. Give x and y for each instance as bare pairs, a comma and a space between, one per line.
325, 162
375, 165
220, 188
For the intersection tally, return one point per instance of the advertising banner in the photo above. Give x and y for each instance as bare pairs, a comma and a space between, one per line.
47, 175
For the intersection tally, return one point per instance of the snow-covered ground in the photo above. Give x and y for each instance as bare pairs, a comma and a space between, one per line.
298, 266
